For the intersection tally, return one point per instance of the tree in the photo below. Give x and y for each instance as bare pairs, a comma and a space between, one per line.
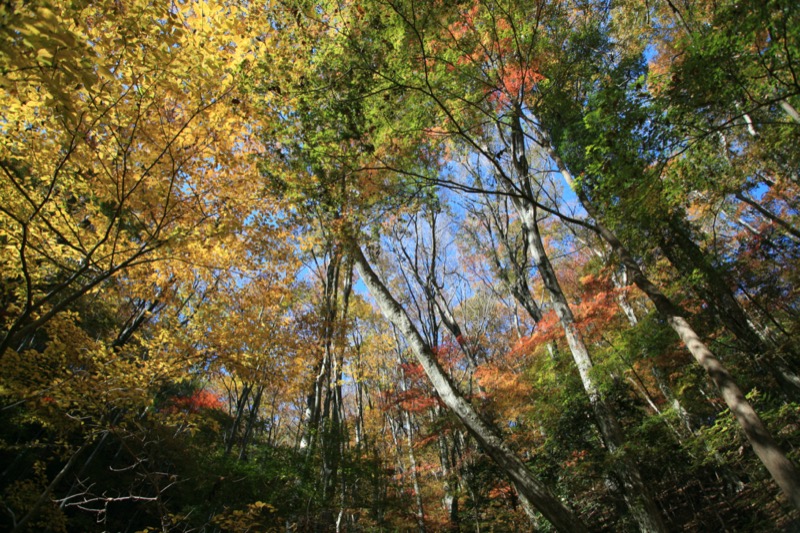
105, 179
366, 266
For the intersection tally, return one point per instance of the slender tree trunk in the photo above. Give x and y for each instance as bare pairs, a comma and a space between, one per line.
533, 490
412, 460
450, 480
666, 390
359, 397
141, 318
241, 404
251, 421
783, 471
688, 259
516, 275
43, 497
791, 230
620, 282
408, 422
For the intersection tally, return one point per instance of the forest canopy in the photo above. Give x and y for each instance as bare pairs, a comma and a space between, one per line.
397, 265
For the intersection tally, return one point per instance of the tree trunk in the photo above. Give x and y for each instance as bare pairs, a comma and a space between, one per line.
666, 390
450, 481
408, 422
791, 230
620, 281
251, 420
532, 489
241, 404
412, 461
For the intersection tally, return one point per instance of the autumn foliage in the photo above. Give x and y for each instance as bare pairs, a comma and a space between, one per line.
543, 189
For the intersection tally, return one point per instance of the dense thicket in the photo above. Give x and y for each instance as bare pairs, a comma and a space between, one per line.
397, 265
